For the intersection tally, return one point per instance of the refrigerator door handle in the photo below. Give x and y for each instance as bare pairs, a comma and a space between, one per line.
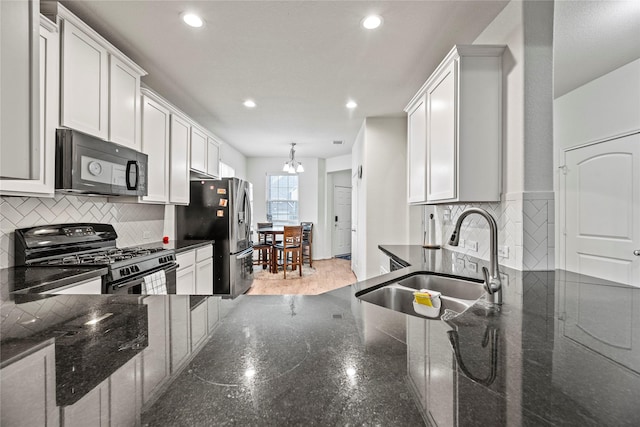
246, 253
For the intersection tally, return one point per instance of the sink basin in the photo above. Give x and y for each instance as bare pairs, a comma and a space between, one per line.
457, 294
449, 286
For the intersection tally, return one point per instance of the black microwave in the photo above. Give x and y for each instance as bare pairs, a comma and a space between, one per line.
88, 165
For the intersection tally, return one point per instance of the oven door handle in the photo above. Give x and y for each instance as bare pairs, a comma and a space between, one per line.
138, 280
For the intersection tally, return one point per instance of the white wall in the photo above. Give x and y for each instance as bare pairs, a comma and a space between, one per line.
380, 196
235, 159
339, 163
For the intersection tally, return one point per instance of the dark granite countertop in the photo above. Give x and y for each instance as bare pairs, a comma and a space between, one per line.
34, 279
182, 245
563, 349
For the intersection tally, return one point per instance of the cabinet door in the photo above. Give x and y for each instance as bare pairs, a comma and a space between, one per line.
441, 136
125, 394
84, 82
180, 330
155, 144
198, 150
213, 158
91, 410
204, 277
213, 313
417, 152
417, 357
156, 357
198, 325
186, 281
19, 119
124, 104
179, 161
28, 390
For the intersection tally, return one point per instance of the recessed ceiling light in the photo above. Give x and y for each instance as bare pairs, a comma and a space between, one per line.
192, 20
351, 104
371, 22
249, 103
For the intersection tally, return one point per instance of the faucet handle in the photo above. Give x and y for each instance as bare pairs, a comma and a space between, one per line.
487, 280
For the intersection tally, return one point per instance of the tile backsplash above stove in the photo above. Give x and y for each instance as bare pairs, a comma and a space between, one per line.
135, 223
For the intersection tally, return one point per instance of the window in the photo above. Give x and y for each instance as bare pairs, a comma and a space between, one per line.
282, 199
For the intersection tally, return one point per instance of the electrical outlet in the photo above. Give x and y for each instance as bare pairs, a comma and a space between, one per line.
472, 245
504, 278
146, 234
503, 251
446, 215
462, 243
460, 264
472, 266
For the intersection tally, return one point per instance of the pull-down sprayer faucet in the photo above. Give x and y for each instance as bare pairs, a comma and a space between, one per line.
492, 280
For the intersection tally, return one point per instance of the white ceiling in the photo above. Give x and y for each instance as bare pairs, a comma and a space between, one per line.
299, 60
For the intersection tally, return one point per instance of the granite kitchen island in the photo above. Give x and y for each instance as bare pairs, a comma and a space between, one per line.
563, 349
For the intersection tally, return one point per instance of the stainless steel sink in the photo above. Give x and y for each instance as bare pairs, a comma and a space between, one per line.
457, 294
449, 286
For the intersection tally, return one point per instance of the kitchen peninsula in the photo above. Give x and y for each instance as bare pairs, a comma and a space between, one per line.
541, 359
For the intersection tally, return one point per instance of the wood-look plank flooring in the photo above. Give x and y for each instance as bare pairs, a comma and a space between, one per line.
325, 276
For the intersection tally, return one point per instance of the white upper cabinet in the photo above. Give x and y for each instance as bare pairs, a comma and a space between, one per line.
455, 129
40, 159
198, 150
213, 158
417, 152
124, 104
100, 85
84, 82
179, 160
156, 141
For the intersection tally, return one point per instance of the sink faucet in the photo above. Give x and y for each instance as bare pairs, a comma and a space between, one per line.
492, 280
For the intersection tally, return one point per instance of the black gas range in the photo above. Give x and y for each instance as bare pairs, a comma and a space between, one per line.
88, 244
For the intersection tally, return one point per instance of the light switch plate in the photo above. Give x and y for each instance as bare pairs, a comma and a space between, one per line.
472, 266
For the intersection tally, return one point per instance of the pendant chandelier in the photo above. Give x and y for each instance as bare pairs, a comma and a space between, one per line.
291, 165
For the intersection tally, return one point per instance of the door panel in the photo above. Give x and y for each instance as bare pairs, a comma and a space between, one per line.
342, 220
602, 206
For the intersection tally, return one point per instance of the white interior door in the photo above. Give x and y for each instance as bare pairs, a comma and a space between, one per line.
341, 220
602, 208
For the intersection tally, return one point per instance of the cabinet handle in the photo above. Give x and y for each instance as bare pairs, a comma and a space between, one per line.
636, 252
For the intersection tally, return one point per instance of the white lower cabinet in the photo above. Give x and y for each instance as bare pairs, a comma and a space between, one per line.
213, 312
91, 410
195, 274
31, 379
125, 394
199, 323
156, 357
180, 330
204, 270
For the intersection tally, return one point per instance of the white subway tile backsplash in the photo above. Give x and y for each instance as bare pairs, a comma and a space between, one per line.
131, 221
525, 224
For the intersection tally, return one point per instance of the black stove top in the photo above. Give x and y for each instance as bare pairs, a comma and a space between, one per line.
87, 244
102, 257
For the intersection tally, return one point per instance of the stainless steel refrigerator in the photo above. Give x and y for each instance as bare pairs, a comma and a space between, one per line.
220, 210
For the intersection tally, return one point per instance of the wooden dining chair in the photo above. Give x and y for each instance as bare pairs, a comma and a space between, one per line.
307, 240
291, 248
263, 246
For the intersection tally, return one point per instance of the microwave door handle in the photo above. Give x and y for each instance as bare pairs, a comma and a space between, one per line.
131, 164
